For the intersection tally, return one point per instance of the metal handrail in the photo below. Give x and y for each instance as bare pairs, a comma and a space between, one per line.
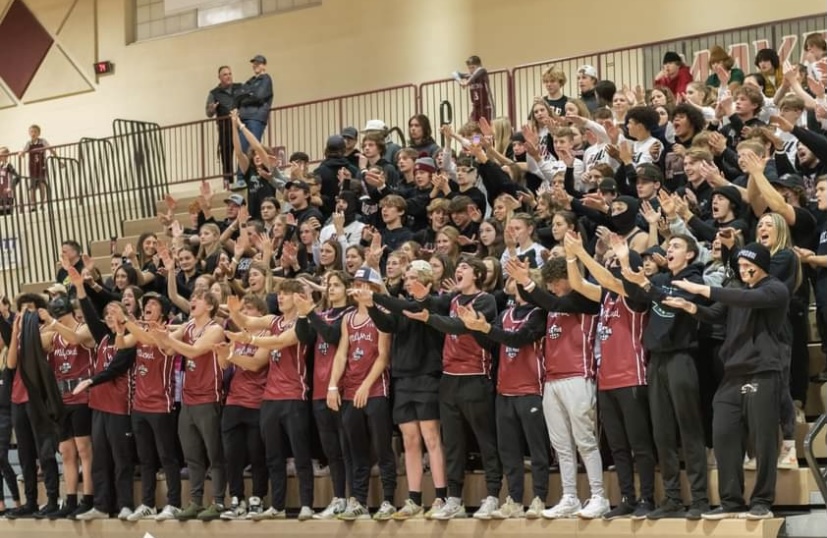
819, 474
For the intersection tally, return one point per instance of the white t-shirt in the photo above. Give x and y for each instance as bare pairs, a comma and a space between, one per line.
640, 151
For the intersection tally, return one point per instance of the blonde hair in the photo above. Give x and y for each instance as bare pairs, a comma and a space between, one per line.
268, 276
783, 240
553, 73
203, 252
502, 134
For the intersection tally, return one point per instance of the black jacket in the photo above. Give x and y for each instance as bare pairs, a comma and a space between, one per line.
755, 319
45, 399
255, 98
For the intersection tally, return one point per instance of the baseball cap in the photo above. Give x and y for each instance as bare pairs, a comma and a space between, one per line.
791, 181
56, 289
166, 306
299, 184
375, 125
236, 199
369, 275
258, 59
649, 172
350, 132
588, 70
421, 266
607, 185
336, 143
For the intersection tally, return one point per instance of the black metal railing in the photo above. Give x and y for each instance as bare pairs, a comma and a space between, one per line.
819, 474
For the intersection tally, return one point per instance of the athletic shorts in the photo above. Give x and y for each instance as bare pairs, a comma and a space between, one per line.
77, 422
416, 399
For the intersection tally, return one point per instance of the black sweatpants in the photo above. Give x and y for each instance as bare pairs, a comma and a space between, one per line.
370, 427
199, 428
291, 417
624, 414
157, 432
675, 406
710, 370
518, 418
33, 446
6, 470
243, 444
747, 409
799, 354
469, 399
113, 464
334, 445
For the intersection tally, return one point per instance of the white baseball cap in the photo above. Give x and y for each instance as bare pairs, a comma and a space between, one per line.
588, 70
375, 125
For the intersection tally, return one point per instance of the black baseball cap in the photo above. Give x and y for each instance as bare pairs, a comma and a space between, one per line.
607, 185
258, 59
350, 132
791, 181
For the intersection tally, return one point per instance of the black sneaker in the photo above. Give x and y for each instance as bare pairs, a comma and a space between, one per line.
47, 511
82, 508
759, 511
625, 509
22, 512
725, 513
644, 508
65, 512
696, 511
669, 509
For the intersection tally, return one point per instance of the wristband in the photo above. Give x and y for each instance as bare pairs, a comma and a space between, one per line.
332, 389
571, 260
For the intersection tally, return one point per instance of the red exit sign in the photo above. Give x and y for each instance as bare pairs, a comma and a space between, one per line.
104, 68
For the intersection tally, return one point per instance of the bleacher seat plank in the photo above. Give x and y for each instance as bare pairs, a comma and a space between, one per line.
151, 224
415, 528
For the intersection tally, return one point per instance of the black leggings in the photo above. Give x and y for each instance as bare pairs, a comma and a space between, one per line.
6, 471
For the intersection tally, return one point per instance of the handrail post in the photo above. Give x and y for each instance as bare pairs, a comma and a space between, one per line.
819, 476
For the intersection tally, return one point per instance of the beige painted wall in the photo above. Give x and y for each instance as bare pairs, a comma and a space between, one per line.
356, 45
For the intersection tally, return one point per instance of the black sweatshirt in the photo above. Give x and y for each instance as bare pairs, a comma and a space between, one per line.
668, 329
307, 329
572, 303
755, 318
532, 331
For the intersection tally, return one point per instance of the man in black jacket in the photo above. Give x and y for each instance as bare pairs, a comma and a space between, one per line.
671, 338
255, 100
747, 399
220, 101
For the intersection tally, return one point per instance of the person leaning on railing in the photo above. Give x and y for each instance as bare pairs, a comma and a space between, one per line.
220, 101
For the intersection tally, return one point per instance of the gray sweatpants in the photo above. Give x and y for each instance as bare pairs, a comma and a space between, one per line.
199, 427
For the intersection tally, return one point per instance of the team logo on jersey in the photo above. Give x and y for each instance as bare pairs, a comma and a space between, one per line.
603, 332
65, 367
190, 366
323, 348
358, 354
511, 352
555, 332
142, 370
275, 355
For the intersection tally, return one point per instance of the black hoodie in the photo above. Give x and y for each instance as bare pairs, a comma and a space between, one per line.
328, 174
668, 329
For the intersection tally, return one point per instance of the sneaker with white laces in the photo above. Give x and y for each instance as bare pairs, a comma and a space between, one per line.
169, 512
452, 509
509, 510
354, 511
385, 512
787, 457
270, 513
336, 507
89, 515
142, 512
437, 505
254, 506
237, 510
487, 508
306, 513
568, 506
535, 509
124, 514
594, 508
409, 510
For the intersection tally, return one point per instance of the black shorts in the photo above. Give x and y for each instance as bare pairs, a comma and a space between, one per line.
77, 422
416, 399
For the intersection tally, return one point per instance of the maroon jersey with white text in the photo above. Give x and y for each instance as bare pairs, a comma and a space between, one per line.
287, 378
520, 372
362, 352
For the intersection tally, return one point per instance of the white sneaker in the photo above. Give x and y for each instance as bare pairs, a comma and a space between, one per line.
237, 510
124, 514
319, 470
509, 510
254, 506
453, 508
305, 513
594, 508
142, 512
787, 458
354, 511
89, 515
535, 509
487, 508
385, 512
169, 512
749, 463
270, 513
568, 506
336, 507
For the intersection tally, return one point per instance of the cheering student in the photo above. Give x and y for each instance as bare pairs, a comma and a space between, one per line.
241, 417
285, 410
671, 338
746, 404
153, 421
109, 388
621, 378
466, 393
69, 346
518, 331
569, 395
323, 330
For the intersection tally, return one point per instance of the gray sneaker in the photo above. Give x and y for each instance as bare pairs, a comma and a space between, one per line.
89, 515
270, 513
354, 511
453, 509
336, 507
142, 512
385, 512
487, 508
237, 510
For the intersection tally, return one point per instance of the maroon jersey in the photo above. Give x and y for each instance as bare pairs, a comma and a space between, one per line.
112, 396
153, 380
568, 346
323, 355
287, 378
71, 362
461, 353
37, 158
19, 393
482, 102
247, 386
520, 372
622, 360
362, 352
202, 375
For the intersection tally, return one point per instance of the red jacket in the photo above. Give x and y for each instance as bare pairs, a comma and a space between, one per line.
679, 82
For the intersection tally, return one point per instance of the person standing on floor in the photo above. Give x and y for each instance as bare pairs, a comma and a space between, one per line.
746, 404
220, 101
479, 88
